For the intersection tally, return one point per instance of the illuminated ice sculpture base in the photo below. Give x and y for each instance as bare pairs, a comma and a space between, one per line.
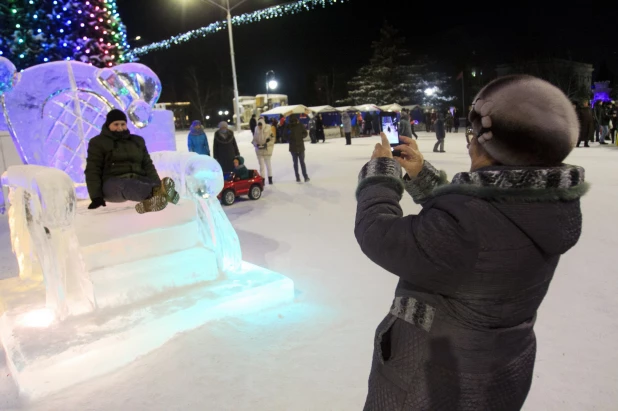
43, 360
98, 288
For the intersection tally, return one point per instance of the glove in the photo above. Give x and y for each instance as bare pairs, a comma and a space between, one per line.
96, 203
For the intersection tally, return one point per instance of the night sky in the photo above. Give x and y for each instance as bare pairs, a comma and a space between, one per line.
337, 38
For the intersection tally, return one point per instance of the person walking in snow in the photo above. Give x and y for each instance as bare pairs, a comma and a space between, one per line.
586, 123
264, 143
319, 129
347, 127
600, 115
197, 139
448, 122
359, 124
312, 133
440, 134
368, 124
297, 147
456, 120
225, 147
405, 127
475, 265
252, 124
119, 169
428, 121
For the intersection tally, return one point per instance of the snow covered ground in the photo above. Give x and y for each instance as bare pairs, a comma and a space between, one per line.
315, 354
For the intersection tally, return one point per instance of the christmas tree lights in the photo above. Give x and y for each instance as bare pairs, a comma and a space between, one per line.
254, 17
38, 31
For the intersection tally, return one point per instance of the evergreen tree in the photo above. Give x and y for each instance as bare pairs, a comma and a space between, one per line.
390, 78
386, 79
22, 32
37, 31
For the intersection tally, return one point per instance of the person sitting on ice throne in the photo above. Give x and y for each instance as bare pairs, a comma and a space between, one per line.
119, 169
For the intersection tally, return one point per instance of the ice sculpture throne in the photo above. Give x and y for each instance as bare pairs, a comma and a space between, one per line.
98, 288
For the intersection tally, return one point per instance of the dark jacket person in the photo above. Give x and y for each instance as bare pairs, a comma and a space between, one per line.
297, 146
225, 149
119, 168
475, 264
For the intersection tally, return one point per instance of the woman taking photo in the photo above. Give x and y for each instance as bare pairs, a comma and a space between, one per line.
476, 263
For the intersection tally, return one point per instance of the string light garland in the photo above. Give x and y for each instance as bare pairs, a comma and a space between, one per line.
253, 17
39, 31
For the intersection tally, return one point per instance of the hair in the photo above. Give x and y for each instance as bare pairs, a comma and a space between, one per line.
524, 121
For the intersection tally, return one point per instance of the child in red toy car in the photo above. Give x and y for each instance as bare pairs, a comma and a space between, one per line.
240, 170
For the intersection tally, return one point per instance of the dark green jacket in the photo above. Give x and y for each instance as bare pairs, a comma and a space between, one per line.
297, 135
113, 156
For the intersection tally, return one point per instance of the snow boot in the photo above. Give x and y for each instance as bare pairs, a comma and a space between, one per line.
307, 179
155, 203
168, 190
297, 178
270, 180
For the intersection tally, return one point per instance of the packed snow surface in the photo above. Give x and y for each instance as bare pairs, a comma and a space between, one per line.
315, 354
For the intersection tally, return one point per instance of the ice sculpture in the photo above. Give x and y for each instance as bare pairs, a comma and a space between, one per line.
53, 110
201, 178
135, 280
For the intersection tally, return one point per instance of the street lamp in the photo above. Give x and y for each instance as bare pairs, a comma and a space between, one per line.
227, 112
228, 10
271, 84
220, 113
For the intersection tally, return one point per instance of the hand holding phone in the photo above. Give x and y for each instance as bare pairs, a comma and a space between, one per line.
410, 157
390, 127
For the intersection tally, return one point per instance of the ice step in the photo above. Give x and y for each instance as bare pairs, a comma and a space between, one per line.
118, 235
47, 359
128, 283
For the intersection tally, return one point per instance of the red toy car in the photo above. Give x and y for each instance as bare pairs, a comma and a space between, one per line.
235, 187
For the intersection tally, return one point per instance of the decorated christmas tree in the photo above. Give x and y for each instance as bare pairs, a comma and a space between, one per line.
38, 31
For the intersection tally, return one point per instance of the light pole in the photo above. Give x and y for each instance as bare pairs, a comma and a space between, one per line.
228, 10
271, 84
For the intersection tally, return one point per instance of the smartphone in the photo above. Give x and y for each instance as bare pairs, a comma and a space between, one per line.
390, 127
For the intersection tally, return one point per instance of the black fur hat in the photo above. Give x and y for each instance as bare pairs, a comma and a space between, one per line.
522, 120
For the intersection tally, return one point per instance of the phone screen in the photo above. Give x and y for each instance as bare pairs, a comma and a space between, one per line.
390, 127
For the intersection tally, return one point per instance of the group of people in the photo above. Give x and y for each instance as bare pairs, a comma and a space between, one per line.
227, 154
598, 124
451, 121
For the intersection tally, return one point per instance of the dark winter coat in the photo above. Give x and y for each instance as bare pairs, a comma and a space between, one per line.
112, 155
297, 136
439, 127
449, 121
241, 171
225, 149
253, 125
474, 266
600, 115
586, 123
456, 120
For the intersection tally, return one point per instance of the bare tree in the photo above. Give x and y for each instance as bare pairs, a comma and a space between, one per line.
199, 93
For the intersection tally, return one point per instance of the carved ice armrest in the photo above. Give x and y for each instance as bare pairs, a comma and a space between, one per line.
41, 215
200, 178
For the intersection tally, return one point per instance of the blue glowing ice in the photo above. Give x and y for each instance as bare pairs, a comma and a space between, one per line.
54, 109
